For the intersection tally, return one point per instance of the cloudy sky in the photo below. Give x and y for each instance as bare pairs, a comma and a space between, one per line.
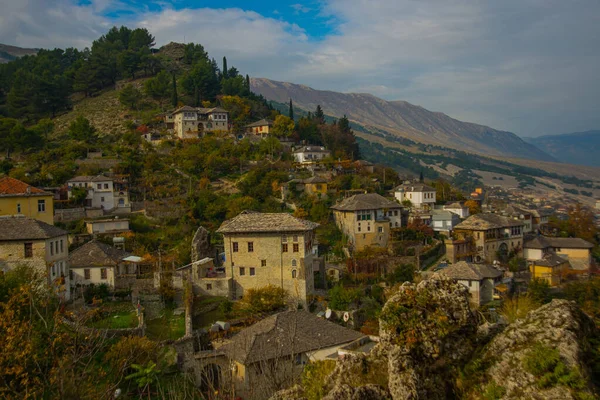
528, 66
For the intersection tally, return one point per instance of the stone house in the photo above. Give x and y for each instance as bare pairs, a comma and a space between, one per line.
457, 208
31, 242
192, 123
102, 192
521, 215
480, 279
97, 263
576, 251
419, 194
108, 226
367, 219
19, 198
551, 268
311, 154
483, 237
269, 249
313, 186
260, 128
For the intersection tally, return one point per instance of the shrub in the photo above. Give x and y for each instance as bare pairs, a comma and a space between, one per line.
266, 299
545, 363
340, 298
315, 377
517, 307
93, 291
493, 391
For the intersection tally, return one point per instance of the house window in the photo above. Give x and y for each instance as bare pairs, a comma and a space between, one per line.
294, 262
103, 274
99, 186
242, 271
470, 283
28, 250
380, 229
61, 246
53, 270
263, 263
18, 208
70, 275
209, 286
252, 271
106, 186
284, 248
295, 238
296, 248
86, 273
102, 199
51, 248
293, 274
250, 247
41, 205
235, 247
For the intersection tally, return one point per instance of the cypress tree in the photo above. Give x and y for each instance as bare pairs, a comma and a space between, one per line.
174, 99
291, 111
224, 67
421, 177
248, 81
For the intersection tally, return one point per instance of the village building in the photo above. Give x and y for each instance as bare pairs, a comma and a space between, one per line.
520, 214
480, 279
311, 154
107, 226
482, 238
576, 251
34, 243
540, 218
268, 249
457, 208
193, 122
420, 195
260, 128
313, 186
101, 192
99, 263
443, 221
551, 267
367, 219
20, 198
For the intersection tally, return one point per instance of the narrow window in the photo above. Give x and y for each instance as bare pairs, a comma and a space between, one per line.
263, 263
28, 250
380, 229
235, 247
294, 263
18, 208
51, 248
99, 186
242, 271
86, 273
70, 275
252, 271
284, 248
296, 248
293, 273
250, 247
209, 286
61, 246
53, 270
106, 186
103, 274
41, 205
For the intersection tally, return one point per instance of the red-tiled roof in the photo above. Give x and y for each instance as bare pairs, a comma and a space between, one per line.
14, 187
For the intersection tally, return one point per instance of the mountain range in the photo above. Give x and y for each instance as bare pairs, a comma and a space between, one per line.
9, 53
573, 148
402, 120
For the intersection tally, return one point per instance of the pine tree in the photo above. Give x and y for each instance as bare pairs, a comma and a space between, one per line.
421, 177
225, 67
319, 115
248, 82
174, 99
291, 111
344, 125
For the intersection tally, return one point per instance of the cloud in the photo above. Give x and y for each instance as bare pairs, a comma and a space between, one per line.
299, 8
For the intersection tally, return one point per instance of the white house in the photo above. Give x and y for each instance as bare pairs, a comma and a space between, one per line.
102, 192
311, 154
107, 226
458, 208
480, 279
443, 220
419, 194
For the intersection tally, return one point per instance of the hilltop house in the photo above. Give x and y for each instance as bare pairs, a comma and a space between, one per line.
31, 242
101, 192
313, 186
268, 249
311, 154
576, 251
480, 279
419, 194
260, 128
366, 219
19, 198
191, 123
484, 237
271, 354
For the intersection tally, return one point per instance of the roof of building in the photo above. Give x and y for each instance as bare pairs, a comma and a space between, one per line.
250, 221
414, 187
96, 254
543, 242
286, 333
442, 215
314, 179
262, 122
514, 211
550, 260
463, 270
13, 187
90, 178
487, 221
365, 201
312, 149
200, 110
455, 204
21, 228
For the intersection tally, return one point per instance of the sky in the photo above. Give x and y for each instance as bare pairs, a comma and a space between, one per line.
527, 66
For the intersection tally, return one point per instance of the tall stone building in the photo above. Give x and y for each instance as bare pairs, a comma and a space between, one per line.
269, 249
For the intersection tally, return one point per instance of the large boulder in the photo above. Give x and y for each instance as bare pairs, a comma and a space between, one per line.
201, 247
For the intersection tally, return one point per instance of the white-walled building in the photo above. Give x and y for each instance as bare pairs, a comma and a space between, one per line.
480, 279
457, 208
311, 154
101, 192
192, 122
419, 194
107, 226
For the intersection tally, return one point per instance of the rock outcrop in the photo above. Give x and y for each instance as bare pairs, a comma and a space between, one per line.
201, 247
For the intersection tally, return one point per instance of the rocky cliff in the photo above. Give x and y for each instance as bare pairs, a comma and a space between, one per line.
433, 346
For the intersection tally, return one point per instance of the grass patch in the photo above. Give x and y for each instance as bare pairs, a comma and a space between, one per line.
167, 327
119, 320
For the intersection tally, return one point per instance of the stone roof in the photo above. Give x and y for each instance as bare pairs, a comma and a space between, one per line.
473, 272
21, 228
199, 110
262, 122
314, 179
414, 187
249, 221
284, 334
13, 187
441, 215
312, 149
543, 242
514, 211
89, 178
96, 254
366, 201
487, 221
455, 204
550, 260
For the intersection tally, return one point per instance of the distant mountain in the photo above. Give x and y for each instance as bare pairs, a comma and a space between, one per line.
402, 119
574, 148
9, 53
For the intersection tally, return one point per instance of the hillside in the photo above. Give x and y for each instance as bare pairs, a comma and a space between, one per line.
575, 148
9, 53
402, 119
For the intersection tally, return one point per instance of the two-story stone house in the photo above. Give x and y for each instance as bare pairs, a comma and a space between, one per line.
480, 279
419, 194
101, 192
482, 237
30, 242
192, 122
366, 219
268, 249
260, 128
19, 198
577, 251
